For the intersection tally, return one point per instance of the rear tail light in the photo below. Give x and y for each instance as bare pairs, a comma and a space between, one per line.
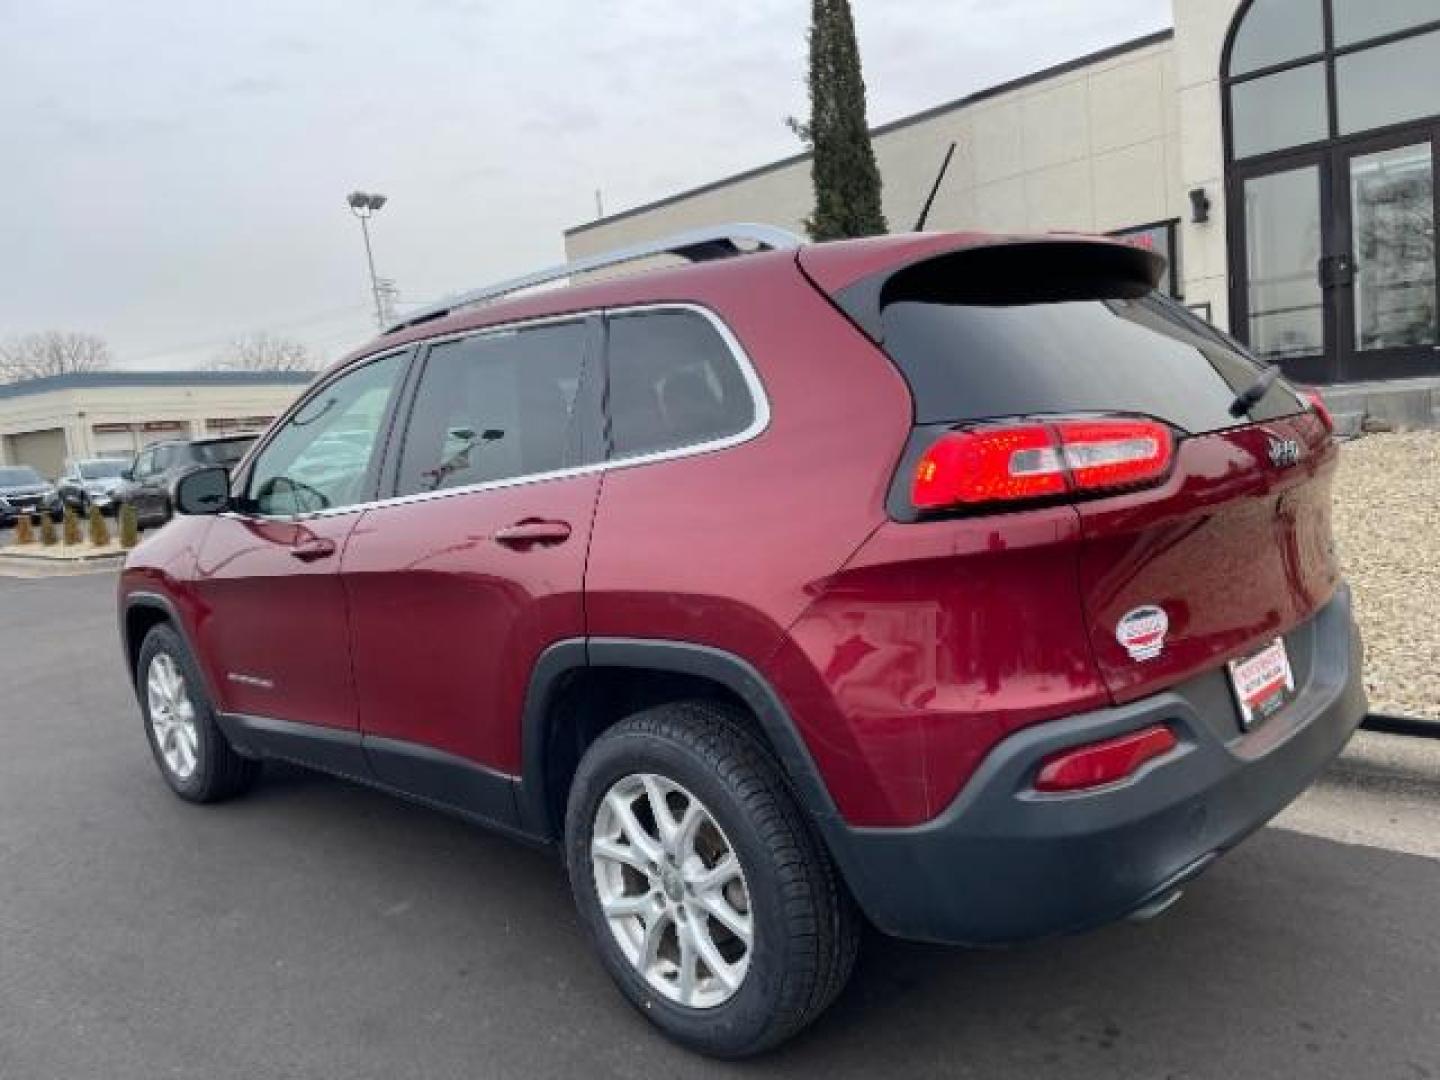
1317, 403
1035, 460
1105, 762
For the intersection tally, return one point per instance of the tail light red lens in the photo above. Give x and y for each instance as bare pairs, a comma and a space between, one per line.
1322, 410
1105, 762
1015, 462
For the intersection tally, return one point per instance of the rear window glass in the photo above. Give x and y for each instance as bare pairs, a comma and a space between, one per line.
673, 383
15, 476
1129, 354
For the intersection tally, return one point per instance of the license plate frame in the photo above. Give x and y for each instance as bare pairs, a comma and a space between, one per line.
1263, 682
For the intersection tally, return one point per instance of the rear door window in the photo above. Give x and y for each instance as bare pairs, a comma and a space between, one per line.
982, 351
493, 407
674, 382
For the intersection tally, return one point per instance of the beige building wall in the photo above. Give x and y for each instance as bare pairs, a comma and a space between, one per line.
1096, 147
78, 411
1201, 27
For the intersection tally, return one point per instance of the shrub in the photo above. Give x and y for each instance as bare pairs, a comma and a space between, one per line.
99, 529
129, 526
70, 527
24, 531
48, 536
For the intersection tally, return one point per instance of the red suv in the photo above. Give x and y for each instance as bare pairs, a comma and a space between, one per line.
966, 584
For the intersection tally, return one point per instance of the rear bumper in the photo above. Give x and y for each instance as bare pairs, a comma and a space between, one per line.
1005, 863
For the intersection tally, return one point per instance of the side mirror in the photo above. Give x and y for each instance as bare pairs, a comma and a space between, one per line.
204, 491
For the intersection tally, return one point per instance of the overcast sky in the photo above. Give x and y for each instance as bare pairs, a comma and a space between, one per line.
175, 171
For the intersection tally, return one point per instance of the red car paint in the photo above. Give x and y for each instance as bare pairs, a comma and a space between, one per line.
904, 652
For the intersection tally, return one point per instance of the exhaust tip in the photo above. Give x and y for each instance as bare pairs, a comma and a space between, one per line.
1157, 907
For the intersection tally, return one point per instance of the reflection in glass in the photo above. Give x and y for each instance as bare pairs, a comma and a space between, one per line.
1389, 84
1282, 240
1275, 31
1356, 22
1287, 109
1392, 199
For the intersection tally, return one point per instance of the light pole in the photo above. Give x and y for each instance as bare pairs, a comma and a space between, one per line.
363, 206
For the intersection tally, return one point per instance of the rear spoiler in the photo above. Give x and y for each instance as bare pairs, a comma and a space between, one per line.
1007, 271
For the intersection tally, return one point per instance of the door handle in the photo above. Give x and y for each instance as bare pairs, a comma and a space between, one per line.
533, 531
317, 547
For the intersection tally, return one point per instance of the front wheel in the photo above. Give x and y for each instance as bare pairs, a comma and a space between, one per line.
192, 752
712, 902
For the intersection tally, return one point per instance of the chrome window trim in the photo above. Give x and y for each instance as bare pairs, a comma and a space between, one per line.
759, 422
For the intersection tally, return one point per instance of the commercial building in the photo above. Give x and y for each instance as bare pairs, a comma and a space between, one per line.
1282, 153
117, 413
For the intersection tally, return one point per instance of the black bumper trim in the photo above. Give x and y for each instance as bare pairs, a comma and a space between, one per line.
1005, 863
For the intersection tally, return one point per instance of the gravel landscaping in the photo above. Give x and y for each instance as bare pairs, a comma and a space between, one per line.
1387, 523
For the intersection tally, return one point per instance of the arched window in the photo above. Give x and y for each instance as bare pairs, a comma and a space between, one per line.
1303, 72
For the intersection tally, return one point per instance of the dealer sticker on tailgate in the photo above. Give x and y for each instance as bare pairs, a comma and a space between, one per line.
1263, 683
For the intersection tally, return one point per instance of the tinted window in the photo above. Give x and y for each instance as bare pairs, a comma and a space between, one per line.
164, 458
308, 466
100, 470
224, 452
1275, 31
1276, 111
673, 382
1389, 83
492, 407
1142, 354
17, 475
1359, 21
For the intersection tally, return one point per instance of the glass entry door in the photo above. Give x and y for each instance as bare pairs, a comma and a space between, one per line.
1389, 318
1336, 264
1278, 227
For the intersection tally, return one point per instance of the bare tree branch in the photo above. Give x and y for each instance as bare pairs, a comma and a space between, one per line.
265, 352
52, 352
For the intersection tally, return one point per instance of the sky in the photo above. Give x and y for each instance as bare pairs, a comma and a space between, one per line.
175, 172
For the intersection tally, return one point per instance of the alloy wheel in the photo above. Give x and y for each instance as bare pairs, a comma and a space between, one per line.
172, 716
672, 890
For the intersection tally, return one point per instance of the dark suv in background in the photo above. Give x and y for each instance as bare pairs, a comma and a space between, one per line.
965, 583
152, 477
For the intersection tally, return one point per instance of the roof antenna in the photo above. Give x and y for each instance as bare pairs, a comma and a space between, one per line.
929, 202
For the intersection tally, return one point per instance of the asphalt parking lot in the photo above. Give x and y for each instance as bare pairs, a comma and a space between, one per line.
316, 929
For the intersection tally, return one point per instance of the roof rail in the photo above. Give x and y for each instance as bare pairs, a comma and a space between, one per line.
697, 245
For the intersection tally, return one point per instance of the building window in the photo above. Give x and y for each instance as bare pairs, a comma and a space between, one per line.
1286, 57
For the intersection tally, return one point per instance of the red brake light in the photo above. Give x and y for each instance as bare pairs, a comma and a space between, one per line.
1321, 409
1034, 460
1104, 762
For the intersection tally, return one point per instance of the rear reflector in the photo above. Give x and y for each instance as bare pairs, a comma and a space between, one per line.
1007, 463
1105, 762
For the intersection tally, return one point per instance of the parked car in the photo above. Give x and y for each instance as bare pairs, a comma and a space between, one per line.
22, 491
89, 482
156, 469
965, 584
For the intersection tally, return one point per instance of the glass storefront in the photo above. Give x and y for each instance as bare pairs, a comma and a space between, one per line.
1333, 139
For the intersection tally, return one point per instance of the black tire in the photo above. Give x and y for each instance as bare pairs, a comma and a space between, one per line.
219, 772
806, 926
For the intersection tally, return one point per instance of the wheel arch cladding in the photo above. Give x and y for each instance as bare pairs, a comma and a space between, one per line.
578, 688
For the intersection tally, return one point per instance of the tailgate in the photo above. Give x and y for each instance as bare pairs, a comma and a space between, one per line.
1235, 549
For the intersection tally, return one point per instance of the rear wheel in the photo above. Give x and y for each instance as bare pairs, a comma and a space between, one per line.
711, 901
190, 749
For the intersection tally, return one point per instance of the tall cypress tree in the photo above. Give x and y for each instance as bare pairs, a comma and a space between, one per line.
847, 181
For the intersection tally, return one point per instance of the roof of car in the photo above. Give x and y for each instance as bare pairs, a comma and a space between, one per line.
833, 265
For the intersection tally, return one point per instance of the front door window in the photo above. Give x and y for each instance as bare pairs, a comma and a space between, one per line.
1392, 212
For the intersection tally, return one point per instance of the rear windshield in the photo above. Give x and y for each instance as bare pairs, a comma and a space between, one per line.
224, 452
101, 470
1111, 353
18, 475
